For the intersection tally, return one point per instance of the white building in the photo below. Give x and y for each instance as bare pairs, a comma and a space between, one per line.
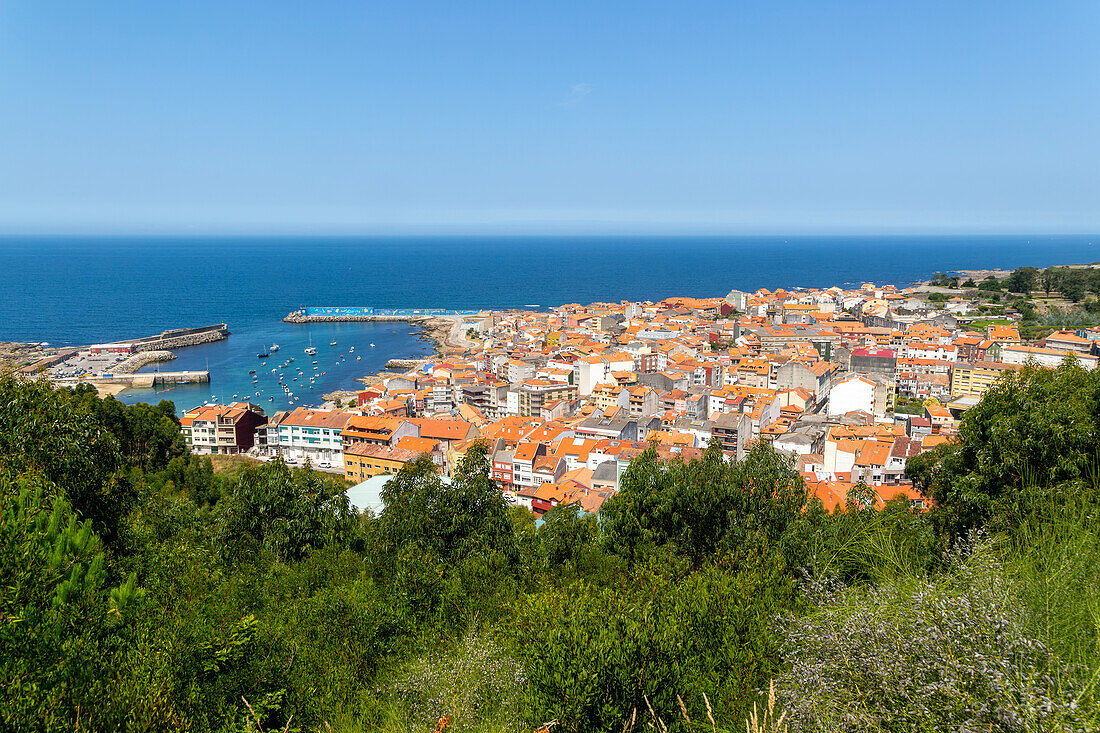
312, 434
1016, 354
852, 393
592, 370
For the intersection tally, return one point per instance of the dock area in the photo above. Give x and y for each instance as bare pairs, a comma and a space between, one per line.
146, 380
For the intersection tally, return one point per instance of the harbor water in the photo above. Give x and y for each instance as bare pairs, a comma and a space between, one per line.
236, 373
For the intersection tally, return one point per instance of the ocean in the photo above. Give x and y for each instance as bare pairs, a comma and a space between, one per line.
81, 290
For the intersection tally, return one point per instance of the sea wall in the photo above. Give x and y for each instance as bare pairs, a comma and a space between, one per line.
323, 314
132, 363
182, 337
299, 317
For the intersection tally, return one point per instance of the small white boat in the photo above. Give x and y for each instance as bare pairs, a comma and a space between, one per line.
331, 343
372, 346
274, 347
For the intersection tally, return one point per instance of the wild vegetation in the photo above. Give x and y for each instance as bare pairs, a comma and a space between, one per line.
1041, 301
142, 591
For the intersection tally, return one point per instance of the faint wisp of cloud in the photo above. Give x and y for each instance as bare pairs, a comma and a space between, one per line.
577, 93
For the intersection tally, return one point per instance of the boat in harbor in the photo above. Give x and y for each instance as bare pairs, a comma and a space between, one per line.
311, 350
331, 343
263, 354
274, 347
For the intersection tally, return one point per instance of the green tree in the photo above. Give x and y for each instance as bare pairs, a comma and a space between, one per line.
283, 514
1048, 280
1022, 280
43, 434
468, 515
1074, 284
566, 532
696, 508
59, 622
148, 435
989, 283
1033, 435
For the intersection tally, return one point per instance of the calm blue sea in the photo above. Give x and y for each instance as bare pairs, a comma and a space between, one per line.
79, 290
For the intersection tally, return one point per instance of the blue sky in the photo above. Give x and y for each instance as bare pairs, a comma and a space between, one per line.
363, 117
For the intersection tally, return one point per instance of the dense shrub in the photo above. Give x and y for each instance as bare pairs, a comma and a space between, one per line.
596, 659
951, 653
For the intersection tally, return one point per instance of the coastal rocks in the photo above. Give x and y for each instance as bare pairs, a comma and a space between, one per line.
132, 363
379, 378
340, 397
30, 358
405, 364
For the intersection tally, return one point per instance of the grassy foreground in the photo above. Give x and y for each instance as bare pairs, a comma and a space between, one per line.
148, 589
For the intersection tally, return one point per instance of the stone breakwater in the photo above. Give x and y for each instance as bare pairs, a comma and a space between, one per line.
182, 337
443, 330
131, 364
299, 317
405, 363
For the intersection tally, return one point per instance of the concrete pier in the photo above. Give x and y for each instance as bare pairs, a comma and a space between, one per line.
142, 381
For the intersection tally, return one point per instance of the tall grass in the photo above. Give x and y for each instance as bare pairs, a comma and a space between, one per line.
875, 546
1053, 559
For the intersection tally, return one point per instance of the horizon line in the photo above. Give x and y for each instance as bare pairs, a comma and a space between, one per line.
456, 232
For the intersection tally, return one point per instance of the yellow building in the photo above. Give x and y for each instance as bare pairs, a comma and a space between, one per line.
363, 460
974, 380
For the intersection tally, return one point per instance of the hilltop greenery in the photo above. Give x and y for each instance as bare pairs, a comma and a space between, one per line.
144, 592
